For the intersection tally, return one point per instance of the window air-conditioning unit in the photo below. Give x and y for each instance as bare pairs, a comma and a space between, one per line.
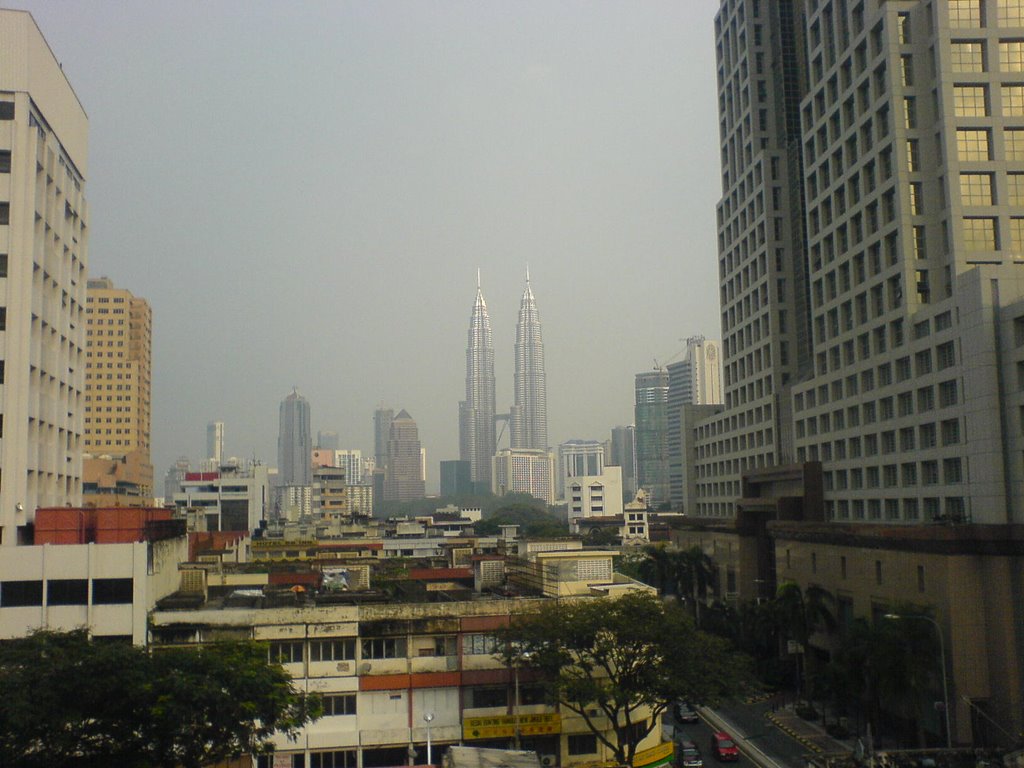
549, 761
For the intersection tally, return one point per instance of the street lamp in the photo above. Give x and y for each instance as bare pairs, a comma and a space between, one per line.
428, 718
519, 659
942, 660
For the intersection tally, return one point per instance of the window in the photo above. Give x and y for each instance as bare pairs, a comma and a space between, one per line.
111, 591
972, 100
908, 474
5, 213
6, 110
951, 432
1010, 13
582, 744
930, 472
67, 591
973, 144
926, 433
1011, 55
19, 594
339, 704
947, 394
285, 652
965, 14
338, 758
945, 355
477, 645
980, 234
3, 265
976, 188
495, 696
878, 571
5, 161
952, 471
968, 56
332, 650
384, 648
1013, 100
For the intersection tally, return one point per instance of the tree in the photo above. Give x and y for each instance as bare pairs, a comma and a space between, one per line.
628, 657
70, 701
801, 613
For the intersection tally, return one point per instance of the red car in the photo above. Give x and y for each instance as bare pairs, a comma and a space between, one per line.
724, 748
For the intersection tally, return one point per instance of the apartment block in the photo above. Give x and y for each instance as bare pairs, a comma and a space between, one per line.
43, 256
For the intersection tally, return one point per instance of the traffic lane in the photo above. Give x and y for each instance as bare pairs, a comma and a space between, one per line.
700, 734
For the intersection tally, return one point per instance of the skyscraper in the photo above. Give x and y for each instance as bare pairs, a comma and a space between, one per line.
529, 414
477, 439
116, 466
403, 478
294, 441
381, 431
43, 236
624, 455
215, 442
695, 380
651, 413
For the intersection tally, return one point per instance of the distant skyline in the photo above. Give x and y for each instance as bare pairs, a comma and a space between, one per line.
304, 199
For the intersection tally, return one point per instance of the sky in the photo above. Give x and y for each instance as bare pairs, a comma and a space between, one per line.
304, 193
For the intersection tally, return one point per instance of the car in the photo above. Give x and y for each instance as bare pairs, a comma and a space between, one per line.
685, 713
687, 755
724, 748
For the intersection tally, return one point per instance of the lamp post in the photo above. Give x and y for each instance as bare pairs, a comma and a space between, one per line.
519, 659
942, 660
428, 718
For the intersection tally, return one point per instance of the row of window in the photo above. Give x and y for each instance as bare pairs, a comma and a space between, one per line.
292, 651
21, 594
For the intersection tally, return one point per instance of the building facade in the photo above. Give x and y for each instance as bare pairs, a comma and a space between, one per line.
381, 432
477, 437
403, 478
525, 471
116, 465
456, 479
233, 498
43, 258
528, 417
623, 454
651, 435
294, 441
579, 458
215, 442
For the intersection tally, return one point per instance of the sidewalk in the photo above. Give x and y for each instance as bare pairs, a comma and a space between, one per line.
811, 735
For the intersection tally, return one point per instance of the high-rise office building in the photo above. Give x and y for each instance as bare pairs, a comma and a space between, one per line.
381, 431
294, 442
477, 438
43, 255
623, 454
455, 478
651, 434
579, 458
694, 380
403, 478
528, 417
327, 441
116, 465
215, 442
871, 238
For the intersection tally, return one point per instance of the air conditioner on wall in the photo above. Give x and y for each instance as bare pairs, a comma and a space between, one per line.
549, 761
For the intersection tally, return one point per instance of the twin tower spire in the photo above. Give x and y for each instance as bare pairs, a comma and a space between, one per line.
528, 416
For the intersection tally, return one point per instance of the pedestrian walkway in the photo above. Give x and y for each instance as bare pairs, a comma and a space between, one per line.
811, 735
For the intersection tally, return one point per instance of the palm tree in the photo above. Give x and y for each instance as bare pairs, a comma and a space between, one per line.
800, 614
693, 571
656, 568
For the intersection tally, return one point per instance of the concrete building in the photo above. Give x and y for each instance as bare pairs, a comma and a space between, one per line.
294, 441
456, 479
234, 498
651, 434
578, 458
597, 495
330, 492
327, 441
43, 258
350, 459
525, 471
215, 442
477, 437
695, 380
381, 432
528, 417
403, 478
117, 469
623, 454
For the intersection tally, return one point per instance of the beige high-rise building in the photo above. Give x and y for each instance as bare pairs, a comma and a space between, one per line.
117, 470
43, 239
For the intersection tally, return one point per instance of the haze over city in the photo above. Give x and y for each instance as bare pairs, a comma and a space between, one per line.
305, 193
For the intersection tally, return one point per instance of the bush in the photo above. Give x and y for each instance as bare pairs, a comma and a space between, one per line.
806, 711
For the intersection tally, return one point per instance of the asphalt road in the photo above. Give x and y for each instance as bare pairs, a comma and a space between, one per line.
700, 734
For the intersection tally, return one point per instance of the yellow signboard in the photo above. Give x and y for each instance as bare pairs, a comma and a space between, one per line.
503, 726
658, 755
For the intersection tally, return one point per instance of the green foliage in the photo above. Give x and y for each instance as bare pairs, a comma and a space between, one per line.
620, 654
69, 701
528, 513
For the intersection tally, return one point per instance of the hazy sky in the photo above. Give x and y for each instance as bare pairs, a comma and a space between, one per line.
304, 192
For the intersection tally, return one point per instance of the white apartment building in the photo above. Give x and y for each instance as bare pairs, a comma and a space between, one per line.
594, 495
524, 471
43, 257
234, 498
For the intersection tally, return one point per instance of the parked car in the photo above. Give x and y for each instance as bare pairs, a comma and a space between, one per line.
685, 713
688, 756
724, 748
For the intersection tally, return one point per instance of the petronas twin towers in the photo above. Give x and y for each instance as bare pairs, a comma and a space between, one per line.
477, 415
